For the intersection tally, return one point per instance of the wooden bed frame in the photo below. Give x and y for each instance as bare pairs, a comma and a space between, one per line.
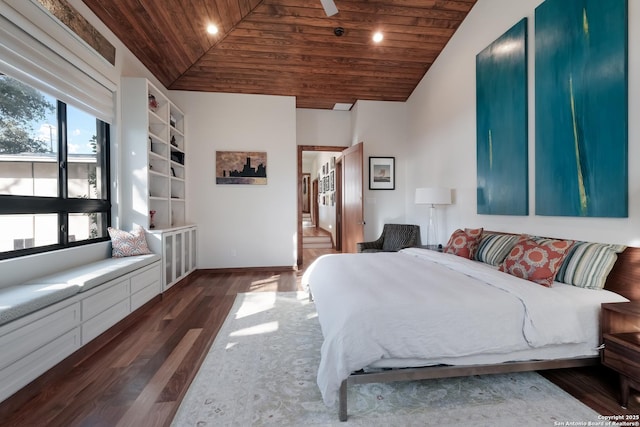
623, 279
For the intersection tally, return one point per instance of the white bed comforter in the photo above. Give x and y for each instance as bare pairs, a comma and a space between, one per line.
418, 304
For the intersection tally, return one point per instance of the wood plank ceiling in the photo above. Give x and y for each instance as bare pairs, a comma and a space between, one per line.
287, 47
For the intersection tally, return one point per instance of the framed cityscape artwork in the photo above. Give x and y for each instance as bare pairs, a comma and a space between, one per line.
241, 167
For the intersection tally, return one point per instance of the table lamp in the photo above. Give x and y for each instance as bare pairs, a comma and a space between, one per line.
432, 196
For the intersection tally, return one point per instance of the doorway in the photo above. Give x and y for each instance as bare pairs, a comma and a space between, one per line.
323, 196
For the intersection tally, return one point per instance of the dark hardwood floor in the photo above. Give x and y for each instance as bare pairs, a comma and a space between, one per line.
136, 374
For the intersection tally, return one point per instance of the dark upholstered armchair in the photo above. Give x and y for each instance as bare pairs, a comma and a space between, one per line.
393, 238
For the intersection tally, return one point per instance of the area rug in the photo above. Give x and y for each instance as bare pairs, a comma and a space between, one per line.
261, 371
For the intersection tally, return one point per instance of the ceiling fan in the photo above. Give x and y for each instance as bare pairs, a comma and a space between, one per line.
329, 7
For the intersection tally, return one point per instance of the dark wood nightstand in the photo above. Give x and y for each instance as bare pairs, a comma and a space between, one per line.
621, 338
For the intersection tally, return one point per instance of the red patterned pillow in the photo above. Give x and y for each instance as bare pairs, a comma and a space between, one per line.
464, 243
537, 262
125, 244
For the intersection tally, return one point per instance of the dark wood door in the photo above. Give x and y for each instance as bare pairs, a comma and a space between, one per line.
352, 205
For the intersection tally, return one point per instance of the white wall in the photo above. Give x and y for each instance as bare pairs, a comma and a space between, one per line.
323, 127
382, 126
241, 225
442, 133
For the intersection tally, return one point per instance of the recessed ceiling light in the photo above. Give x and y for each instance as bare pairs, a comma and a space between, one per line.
212, 29
377, 37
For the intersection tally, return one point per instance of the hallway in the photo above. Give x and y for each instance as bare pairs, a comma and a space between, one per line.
314, 237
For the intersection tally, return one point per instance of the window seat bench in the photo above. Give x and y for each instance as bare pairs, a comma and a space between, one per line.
46, 319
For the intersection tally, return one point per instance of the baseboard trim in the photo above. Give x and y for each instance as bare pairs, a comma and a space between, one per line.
182, 282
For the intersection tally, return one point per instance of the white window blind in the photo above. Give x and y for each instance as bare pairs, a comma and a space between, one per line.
25, 58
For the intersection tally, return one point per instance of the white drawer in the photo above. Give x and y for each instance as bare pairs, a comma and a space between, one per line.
144, 295
109, 296
147, 277
103, 321
36, 363
26, 339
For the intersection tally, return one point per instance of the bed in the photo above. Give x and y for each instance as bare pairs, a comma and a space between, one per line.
421, 314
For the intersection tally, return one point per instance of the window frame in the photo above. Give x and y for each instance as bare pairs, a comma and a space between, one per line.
63, 205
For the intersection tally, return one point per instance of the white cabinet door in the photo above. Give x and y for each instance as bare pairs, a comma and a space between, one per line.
187, 251
167, 257
192, 252
178, 253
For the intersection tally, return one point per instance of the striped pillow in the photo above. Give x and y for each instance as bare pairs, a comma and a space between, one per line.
588, 264
494, 248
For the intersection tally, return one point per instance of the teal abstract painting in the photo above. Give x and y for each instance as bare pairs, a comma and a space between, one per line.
501, 125
581, 108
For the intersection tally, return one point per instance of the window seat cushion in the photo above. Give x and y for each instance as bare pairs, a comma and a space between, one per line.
20, 300
91, 275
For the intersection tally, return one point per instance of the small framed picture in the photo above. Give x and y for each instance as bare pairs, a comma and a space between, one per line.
382, 173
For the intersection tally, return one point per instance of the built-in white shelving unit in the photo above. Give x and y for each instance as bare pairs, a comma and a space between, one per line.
153, 187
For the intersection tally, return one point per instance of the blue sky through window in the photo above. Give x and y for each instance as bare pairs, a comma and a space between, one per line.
81, 127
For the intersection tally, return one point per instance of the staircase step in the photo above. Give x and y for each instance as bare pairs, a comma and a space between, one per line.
320, 245
317, 242
316, 239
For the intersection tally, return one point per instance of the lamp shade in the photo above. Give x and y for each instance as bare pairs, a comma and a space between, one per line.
433, 196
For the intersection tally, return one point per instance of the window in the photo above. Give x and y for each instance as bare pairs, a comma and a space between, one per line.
54, 173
